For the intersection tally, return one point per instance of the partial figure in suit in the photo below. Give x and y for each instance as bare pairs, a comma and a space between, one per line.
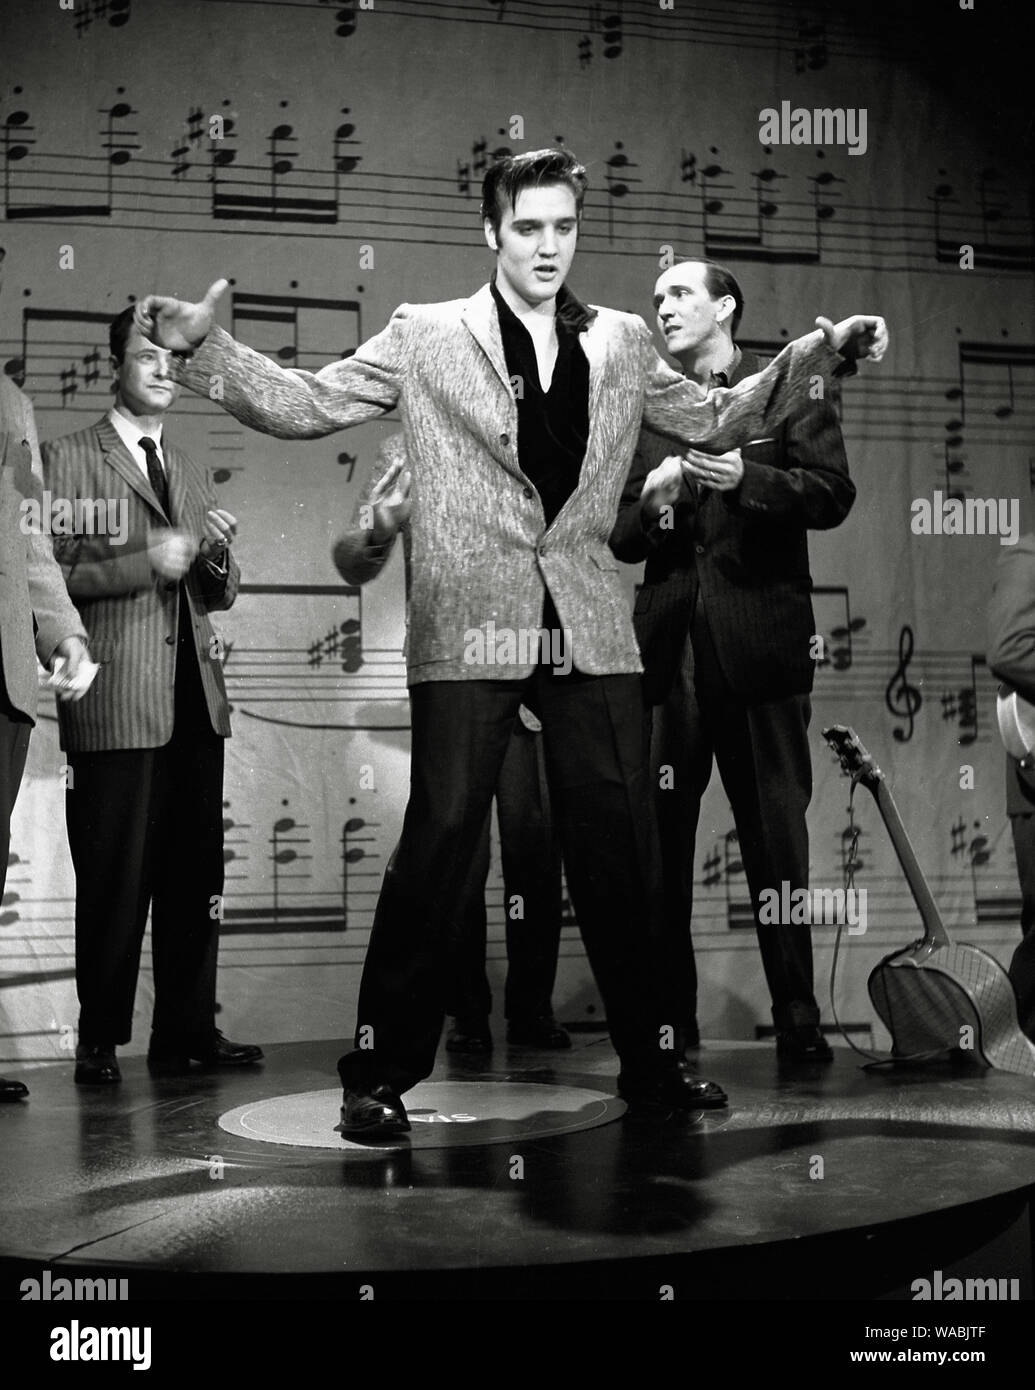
529, 845
37, 618
725, 624
520, 409
1011, 657
144, 808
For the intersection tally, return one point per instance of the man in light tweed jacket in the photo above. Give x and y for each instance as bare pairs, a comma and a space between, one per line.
144, 807
520, 410
37, 618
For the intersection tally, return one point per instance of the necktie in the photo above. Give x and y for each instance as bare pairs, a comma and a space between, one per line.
155, 474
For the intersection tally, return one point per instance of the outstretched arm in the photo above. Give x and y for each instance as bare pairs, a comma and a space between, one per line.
727, 417
290, 404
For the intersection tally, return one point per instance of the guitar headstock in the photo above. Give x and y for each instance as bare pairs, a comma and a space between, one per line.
853, 757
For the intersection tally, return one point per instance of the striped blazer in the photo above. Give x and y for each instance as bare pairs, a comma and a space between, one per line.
482, 554
131, 613
35, 610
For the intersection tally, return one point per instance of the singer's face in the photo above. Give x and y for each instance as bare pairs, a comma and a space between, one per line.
535, 244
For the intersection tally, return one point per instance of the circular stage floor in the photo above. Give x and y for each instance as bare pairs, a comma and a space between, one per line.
819, 1181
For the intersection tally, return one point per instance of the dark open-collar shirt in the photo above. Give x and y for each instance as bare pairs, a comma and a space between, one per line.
553, 426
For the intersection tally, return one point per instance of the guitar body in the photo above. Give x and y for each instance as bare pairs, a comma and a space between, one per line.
925, 995
1016, 719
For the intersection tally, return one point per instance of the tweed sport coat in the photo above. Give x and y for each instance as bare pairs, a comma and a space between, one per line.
35, 610
747, 550
481, 550
130, 611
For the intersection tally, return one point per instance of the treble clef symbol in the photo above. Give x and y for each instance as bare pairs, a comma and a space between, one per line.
901, 698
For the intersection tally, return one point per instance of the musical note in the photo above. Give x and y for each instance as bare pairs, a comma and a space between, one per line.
282, 855
611, 30
1002, 360
350, 854
117, 143
306, 320
962, 705
345, 19
712, 869
903, 699
687, 167
117, 13
841, 653
1006, 254
585, 51
617, 178
347, 460
18, 140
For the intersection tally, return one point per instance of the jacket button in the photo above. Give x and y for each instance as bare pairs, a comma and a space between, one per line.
171, 586
699, 549
527, 491
169, 641
504, 438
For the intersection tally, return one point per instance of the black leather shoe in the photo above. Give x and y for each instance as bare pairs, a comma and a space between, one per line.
174, 1058
95, 1065
12, 1090
678, 1089
373, 1113
538, 1032
805, 1044
469, 1035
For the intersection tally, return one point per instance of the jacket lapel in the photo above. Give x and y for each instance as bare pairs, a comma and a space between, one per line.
479, 314
118, 457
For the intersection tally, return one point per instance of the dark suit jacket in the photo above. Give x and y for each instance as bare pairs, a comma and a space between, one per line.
130, 612
35, 610
1011, 649
747, 549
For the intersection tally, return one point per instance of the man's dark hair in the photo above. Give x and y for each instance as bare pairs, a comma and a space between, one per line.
507, 177
118, 333
719, 280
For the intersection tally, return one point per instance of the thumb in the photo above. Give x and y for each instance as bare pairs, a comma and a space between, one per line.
827, 327
215, 292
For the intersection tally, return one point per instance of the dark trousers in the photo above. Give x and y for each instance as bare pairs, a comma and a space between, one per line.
594, 732
15, 729
145, 827
1022, 966
531, 855
762, 752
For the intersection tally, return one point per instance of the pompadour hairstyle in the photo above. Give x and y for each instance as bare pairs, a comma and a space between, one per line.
508, 177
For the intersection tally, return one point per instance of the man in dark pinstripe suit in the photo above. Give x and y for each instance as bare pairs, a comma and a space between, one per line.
145, 746
725, 626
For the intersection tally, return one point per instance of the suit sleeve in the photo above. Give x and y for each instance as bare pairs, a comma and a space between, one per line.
727, 417
93, 566
55, 616
356, 557
294, 404
812, 488
1011, 618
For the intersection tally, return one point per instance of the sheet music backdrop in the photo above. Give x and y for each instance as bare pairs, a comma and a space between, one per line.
328, 158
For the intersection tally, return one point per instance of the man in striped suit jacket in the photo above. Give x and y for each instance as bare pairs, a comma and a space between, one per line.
147, 557
37, 618
520, 408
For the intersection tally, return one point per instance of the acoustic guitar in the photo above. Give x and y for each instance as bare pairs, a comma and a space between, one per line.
933, 989
1016, 717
